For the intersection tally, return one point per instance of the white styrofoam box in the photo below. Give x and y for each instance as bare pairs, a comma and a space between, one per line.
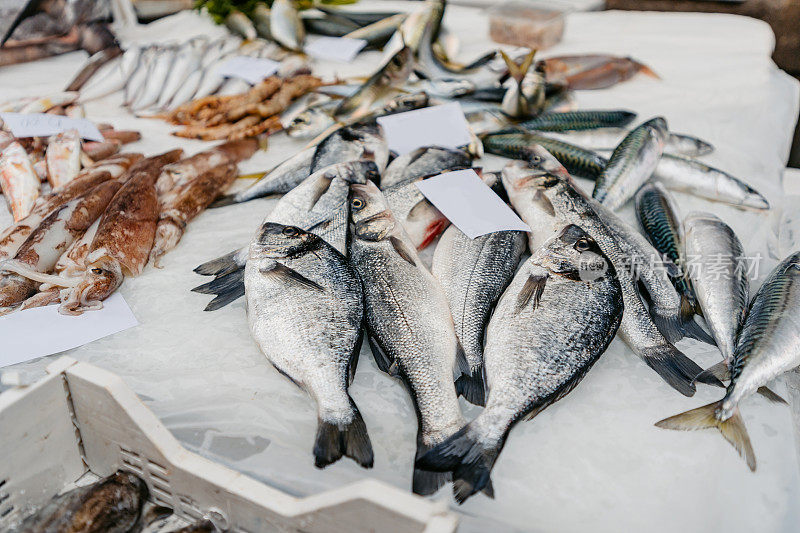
83, 419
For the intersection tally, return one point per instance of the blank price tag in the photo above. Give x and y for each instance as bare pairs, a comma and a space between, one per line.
341, 49
441, 125
43, 331
470, 204
251, 69
45, 125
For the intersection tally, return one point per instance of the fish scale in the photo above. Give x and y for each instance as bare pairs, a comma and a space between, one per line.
579, 120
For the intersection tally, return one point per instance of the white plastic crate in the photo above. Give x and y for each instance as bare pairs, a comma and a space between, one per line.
82, 419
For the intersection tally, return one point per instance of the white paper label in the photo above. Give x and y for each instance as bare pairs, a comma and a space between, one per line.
470, 204
251, 69
44, 125
341, 49
442, 125
43, 331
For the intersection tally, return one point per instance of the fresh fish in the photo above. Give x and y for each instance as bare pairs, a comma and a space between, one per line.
330, 25
420, 219
318, 205
162, 65
180, 173
593, 71
112, 505
383, 82
63, 158
139, 77
408, 322
567, 289
187, 90
92, 66
18, 180
378, 33
112, 77
607, 138
184, 203
46, 103
282, 179
285, 25
696, 178
631, 164
261, 16
305, 309
547, 201
313, 121
719, 275
474, 273
422, 162
42, 249
767, 346
187, 61
238, 23
361, 18
518, 101
686, 145
579, 120
361, 141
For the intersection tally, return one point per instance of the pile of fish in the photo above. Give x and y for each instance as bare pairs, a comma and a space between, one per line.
28, 166
77, 243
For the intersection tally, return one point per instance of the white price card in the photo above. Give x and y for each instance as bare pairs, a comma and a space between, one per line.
251, 69
442, 125
41, 331
341, 49
470, 204
44, 125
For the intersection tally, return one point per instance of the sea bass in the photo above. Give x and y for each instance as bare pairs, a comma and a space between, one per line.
767, 346
566, 290
474, 273
408, 322
305, 309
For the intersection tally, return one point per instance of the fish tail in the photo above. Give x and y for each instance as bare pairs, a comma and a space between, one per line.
718, 372
673, 366
677, 326
771, 395
227, 288
471, 387
732, 429
465, 456
335, 440
226, 264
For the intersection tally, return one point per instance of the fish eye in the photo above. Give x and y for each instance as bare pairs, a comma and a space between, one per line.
582, 245
97, 271
357, 203
290, 231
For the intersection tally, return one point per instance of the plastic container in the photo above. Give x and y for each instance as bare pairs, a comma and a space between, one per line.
81, 420
532, 25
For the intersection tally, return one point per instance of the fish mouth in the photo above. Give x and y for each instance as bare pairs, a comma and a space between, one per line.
376, 227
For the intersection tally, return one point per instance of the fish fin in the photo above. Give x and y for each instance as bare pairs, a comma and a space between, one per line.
705, 417
531, 291
335, 440
472, 387
291, 275
227, 288
402, 250
466, 457
482, 60
544, 203
673, 366
353, 361
384, 362
771, 395
675, 326
226, 264
518, 71
715, 374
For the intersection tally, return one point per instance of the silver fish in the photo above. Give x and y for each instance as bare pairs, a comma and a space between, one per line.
187, 61
520, 100
631, 164
362, 141
377, 33
420, 219
546, 201
139, 77
408, 322
567, 289
305, 309
285, 25
318, 205
719, 276
607, 138
238, 23
474, 273
697, 178
686, 145
424, 161
767, 346
313, 121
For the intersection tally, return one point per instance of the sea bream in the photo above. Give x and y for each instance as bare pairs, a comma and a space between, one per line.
424, 161
408, 322
305, 309
566, 290
474, 273
545, 201
18, 180
318, 205
767, 346
631, 164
